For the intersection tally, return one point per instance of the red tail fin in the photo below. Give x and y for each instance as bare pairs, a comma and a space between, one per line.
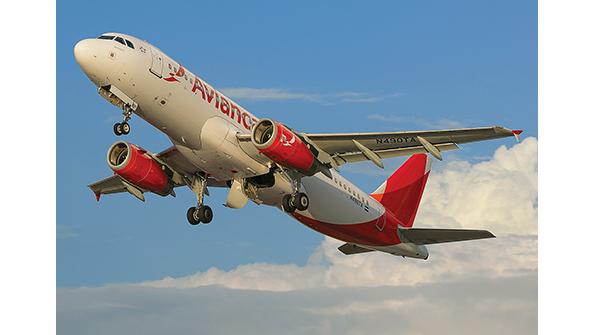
401, 192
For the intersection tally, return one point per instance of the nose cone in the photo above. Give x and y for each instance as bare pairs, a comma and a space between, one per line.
84, 55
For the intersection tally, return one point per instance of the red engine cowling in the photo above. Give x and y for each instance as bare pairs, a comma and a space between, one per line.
137, 167
281, 145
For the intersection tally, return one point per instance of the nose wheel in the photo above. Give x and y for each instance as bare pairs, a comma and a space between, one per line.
299, 201
121, 128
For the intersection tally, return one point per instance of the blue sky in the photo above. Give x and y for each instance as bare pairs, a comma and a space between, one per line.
333, 67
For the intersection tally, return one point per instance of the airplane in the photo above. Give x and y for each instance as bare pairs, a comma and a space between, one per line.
218, 143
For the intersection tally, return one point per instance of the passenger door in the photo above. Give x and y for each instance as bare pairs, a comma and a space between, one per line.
156, 63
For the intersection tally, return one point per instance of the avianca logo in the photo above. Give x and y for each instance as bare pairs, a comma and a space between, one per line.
211, 95
285, 142
172, 76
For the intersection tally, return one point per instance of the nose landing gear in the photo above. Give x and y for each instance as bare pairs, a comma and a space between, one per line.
124, 128
121, 128
298, 201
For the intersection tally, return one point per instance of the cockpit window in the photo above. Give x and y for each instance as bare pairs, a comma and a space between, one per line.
128, 43
120, 39
105, 37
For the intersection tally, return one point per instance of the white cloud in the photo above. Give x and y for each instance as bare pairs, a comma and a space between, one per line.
267, 94
65, 231
329, 268
499, 194
439, 123
272, 94
471, 306
485, 286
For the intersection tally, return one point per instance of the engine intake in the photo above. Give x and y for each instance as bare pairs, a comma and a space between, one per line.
282, 146
137, 167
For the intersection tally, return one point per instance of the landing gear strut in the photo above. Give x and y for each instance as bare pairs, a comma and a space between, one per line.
298, 201
123, 128
200, 213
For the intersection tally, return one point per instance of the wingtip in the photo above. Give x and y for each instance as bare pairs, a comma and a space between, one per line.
517, 133
97, 196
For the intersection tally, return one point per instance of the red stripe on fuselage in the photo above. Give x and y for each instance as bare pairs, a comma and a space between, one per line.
366, 233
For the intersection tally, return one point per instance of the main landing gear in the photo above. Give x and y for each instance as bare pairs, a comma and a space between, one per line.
123, 128
298, 201
200, 213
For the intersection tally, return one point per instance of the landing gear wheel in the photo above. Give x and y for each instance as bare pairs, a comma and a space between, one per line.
207, 214
302, 202
125, 127
118, 129
288, 203
191, 216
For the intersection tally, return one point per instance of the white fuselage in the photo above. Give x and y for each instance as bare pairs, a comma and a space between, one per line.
203, 123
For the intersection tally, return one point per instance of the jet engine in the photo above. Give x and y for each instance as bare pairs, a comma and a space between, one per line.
137, 167
283, 146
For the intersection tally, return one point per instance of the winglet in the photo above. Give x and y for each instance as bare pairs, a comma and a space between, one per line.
517, 134
97, 196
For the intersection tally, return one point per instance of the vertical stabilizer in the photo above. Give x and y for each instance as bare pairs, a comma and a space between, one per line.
401, 193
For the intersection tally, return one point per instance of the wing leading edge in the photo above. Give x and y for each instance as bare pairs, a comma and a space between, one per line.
346, 147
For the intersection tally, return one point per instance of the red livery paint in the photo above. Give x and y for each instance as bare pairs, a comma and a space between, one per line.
137, 167
372, 233
402, 191
281, 145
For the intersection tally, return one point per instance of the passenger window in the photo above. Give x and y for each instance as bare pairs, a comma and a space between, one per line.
120, 40
128, 43
169, 66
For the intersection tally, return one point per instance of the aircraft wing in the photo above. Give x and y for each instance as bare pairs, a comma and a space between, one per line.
178, 163
170, 157
432, 236
355, 147
108, 185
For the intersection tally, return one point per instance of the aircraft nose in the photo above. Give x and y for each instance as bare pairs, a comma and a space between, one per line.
84, 54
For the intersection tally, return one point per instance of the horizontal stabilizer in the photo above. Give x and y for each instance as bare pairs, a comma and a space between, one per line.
350, 249
431, 236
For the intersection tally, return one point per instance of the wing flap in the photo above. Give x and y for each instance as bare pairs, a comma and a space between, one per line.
431, 236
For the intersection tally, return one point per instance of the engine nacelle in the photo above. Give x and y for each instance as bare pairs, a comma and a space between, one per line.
282, 146
138, 168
